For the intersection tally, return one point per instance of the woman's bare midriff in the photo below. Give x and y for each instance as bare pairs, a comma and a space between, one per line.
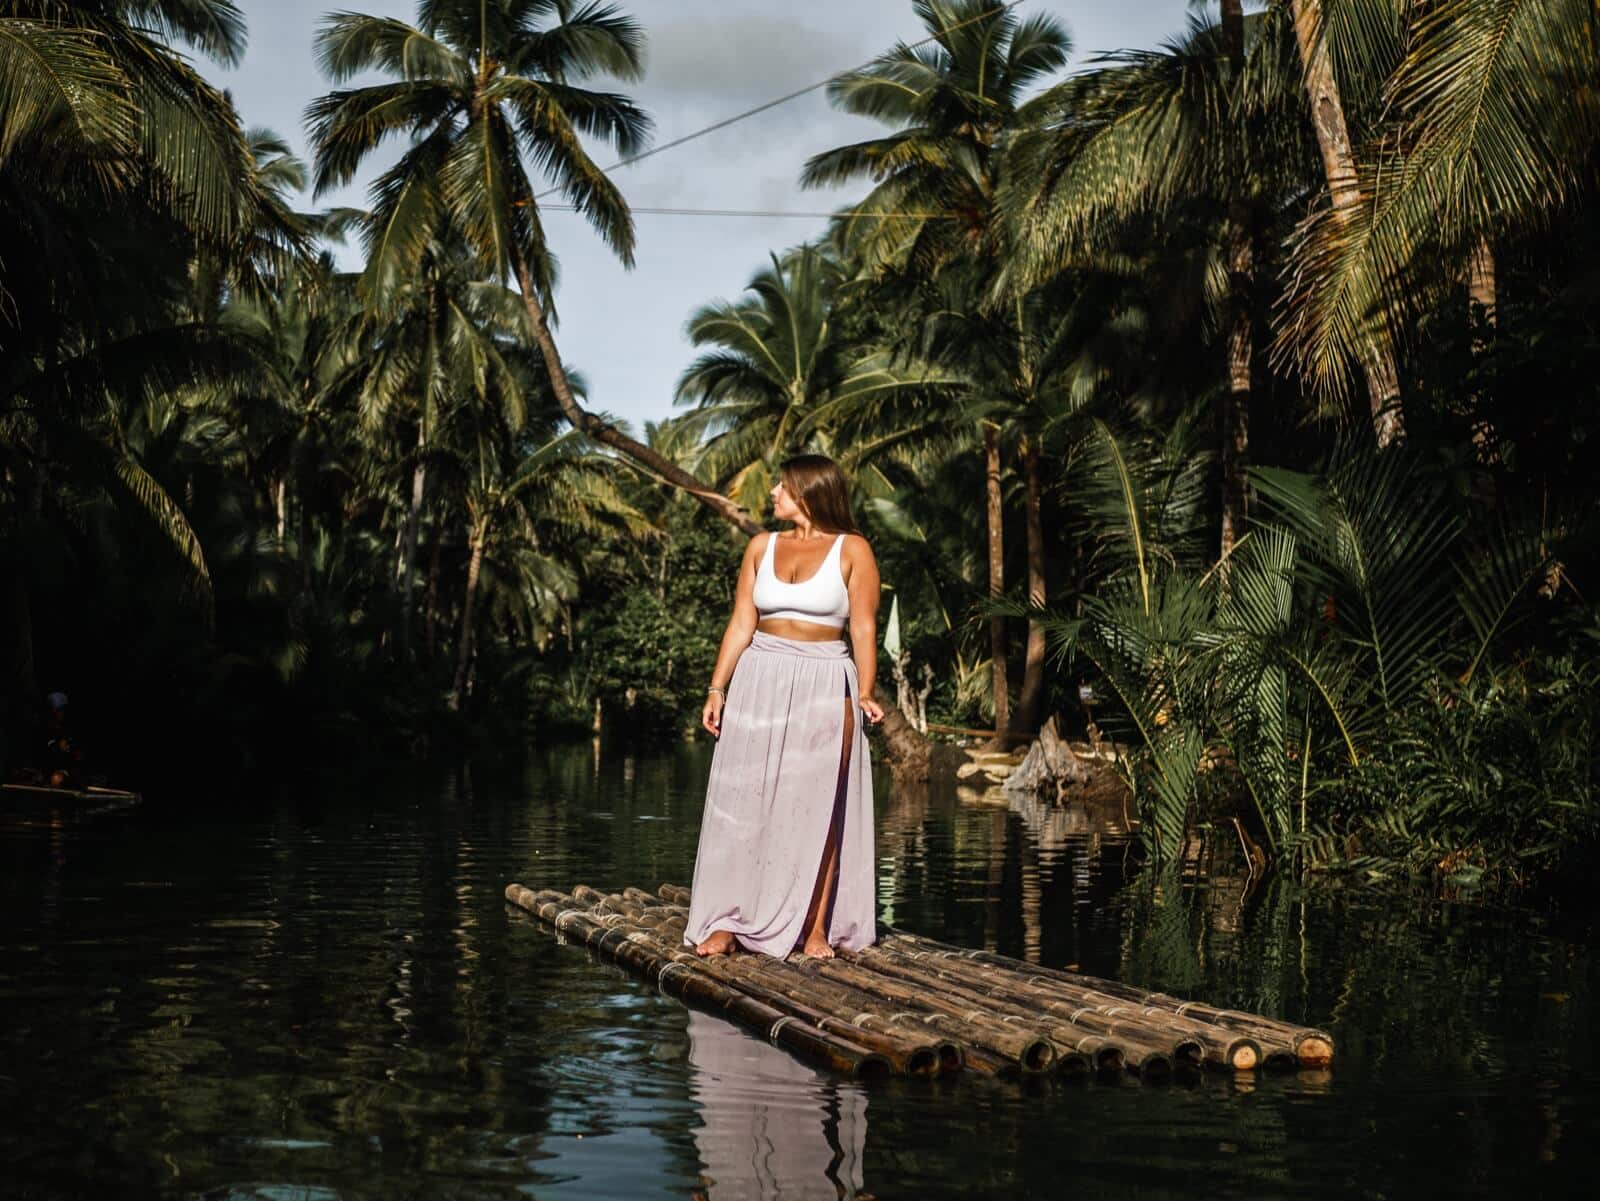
800, 631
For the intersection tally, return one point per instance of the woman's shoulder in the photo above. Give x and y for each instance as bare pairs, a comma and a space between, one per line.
855, 544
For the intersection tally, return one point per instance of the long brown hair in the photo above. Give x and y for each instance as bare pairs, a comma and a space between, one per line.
815, 483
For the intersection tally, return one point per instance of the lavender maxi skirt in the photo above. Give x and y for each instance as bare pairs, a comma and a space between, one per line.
771, 799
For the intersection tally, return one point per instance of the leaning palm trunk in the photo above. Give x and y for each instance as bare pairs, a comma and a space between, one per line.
1031, 698
480, 537
997, 578
606, 433
1344, 195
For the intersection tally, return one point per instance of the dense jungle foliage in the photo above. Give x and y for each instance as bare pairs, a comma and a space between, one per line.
1248, 382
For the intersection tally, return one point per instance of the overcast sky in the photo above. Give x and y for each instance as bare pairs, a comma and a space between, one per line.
708, 59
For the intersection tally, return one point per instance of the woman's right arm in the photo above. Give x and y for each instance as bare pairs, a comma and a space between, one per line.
741, 628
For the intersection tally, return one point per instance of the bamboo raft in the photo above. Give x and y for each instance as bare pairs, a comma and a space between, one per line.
912, 1006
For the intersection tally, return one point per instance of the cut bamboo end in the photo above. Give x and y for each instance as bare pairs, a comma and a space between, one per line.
1037, 1056
1282, 1061
1154, 1065
952, 1058
1073, 1063
1243, 1056
1314, 1051
1110, 1059
871, 1068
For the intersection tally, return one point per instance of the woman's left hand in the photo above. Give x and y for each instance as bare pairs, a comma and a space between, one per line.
871, 710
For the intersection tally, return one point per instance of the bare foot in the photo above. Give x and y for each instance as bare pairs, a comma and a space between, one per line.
817, 947
720, 943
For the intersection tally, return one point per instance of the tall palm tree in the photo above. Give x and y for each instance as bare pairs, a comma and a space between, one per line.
1204, 125
952, 104
443, 340
1026, 379
481, 88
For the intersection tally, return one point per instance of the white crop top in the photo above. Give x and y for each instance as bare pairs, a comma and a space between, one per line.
823, 598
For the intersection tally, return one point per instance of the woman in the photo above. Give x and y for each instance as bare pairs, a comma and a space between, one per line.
785, 856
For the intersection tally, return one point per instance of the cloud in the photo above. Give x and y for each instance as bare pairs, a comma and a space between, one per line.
730, 58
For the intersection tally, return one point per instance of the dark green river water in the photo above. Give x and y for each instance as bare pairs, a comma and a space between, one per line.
327, 997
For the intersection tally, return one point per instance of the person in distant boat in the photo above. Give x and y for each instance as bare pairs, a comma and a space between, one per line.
63, 757
786, 842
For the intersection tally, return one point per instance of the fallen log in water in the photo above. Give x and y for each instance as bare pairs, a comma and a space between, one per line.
916, 1006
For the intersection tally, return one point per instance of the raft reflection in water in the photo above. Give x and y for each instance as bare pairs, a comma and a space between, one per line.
771, 1127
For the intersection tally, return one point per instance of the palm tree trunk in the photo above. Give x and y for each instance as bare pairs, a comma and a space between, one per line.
1344, 194
997, 579
1481, 278
430, 602
1481, 293
1241, 286
1236, 401
1032, 696
468, 608
280, 502
408, 554
604, 432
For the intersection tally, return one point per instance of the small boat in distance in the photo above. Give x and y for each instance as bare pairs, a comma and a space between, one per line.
43, 792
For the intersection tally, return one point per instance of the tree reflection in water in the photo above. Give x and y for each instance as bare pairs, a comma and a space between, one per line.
770, 1127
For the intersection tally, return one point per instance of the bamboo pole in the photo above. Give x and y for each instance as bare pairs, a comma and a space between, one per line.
906, 1053
975, 1033
1188, 1041
918, 1054
823, 1048
1031, 1051
1107, 1046
1308, 1046
1111, 1013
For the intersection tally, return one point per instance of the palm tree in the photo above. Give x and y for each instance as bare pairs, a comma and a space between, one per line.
480, 87
515, 489
782, 369
1199, 126
1458, 164
137, 113
952, 104
443, 340
1345, 201
1024, 373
